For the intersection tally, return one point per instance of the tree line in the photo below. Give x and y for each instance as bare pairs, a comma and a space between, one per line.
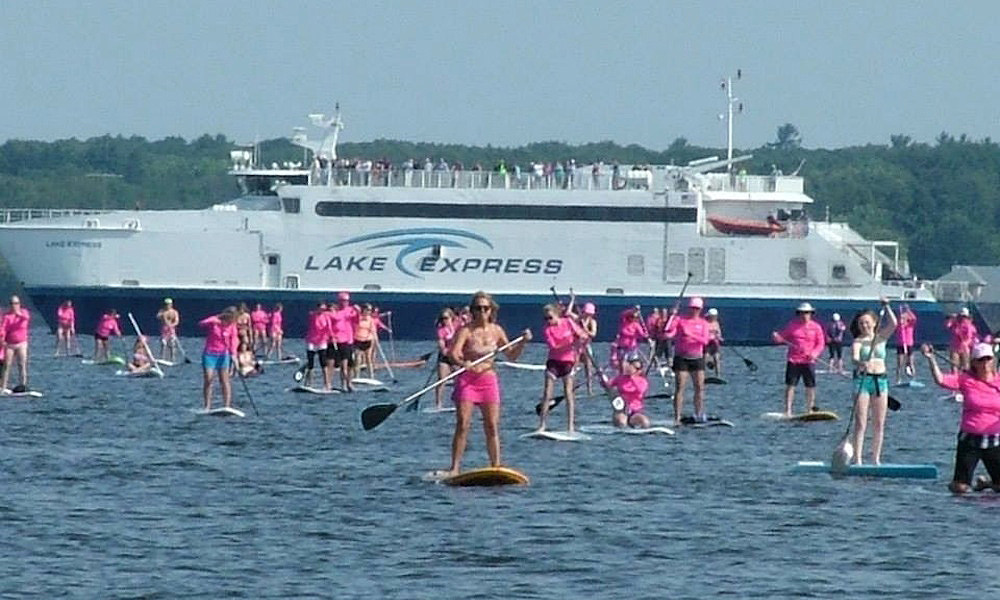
941, 200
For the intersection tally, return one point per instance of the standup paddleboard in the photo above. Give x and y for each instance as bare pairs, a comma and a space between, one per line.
366, 381
809, 417
435, 410
288, 360
24, 394
913, 383
148, 373
114, 360
914, 471
166, 363
715, 380
305, 389
486, 476
689, 421
221, 411
556, 436
523, 366
604, 429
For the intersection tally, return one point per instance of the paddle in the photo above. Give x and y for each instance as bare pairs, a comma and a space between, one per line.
149, 353
746, 361
374, 415
415, 406
177, 342
381, 353
677, 307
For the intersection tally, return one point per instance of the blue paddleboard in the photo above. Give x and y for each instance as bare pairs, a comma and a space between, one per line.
914, 471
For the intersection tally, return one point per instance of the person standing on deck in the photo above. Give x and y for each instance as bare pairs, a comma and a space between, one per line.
169, 319
805, 339
690, 334
14, 336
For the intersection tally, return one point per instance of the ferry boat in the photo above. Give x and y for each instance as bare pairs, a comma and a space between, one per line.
417, 238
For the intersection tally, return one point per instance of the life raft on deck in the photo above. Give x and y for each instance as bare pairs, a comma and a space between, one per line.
732, 226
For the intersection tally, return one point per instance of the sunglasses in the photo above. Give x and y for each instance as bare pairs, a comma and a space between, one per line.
482, 307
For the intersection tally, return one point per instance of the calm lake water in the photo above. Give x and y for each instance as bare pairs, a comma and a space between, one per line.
114, 488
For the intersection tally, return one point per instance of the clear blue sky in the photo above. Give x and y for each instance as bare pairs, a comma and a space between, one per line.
504, 73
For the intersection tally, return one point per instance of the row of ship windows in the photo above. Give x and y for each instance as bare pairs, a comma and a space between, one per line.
714, 269
619, 214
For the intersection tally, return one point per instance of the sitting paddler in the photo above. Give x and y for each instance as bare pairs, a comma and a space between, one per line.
979, 427
140, 361
246, 361
630, 387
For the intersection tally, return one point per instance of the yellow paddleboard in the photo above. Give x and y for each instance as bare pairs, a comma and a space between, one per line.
487, 476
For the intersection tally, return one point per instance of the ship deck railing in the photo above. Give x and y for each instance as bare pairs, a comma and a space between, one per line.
16, 215
464, 179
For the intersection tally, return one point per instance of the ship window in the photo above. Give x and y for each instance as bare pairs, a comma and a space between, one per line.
291, 282
272, 259
291, 205
696, 263
91, 223
371, 287
717, 265
528, 212
614, 291
676, 266
635, 265
839, 272
797, 268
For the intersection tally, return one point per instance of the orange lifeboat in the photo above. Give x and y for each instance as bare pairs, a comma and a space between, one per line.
731, 226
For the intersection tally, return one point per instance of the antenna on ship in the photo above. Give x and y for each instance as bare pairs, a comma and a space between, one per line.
334, 124
731, 101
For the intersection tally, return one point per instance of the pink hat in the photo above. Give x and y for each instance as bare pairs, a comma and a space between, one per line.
343, 296
696, 302
589, 309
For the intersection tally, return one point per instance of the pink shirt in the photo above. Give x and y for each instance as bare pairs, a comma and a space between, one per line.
14, 327
445, 336
981, 403
108, 326
631, 388
805, 340
343, 321
318, 329
276, 322
258, 319
690, 334
66, 316
963, 334
629, 334
219, 338
905, 329
561, 338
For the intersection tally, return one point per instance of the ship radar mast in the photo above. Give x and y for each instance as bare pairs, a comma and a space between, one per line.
731, 103
326, 149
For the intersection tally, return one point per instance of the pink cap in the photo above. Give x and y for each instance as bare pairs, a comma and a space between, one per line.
696, 302
589, 309
343, 296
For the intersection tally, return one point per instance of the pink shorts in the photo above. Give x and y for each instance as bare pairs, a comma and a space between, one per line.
477, 388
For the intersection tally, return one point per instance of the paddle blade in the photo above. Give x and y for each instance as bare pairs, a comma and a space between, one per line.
426, 357
909, 371
894, 404
841, 456
552, 404
299, 374
373, 416
750, 365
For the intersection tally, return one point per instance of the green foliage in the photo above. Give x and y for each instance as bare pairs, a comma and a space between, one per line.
941, 200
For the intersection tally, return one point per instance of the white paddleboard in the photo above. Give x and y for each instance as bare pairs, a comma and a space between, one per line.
366, 381
221, 411
305, 389
604, 429
288, 360
522, 366
711, 422
556, 436
25, 394
165, 362
913, 383
149, 373
956, 397
113, 361
435, 410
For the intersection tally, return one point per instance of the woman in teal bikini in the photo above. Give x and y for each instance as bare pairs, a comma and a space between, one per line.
868, 353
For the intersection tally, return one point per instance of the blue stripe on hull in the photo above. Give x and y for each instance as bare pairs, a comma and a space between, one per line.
744, 320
